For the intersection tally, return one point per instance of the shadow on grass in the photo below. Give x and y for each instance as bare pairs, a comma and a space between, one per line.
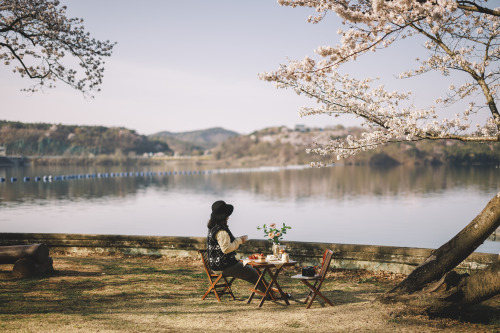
91, 286
97, 287
67, 273
478, 314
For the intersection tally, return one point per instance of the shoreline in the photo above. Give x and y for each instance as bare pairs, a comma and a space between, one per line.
199, 161
347, 256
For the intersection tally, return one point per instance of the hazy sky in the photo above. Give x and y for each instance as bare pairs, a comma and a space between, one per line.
189, 65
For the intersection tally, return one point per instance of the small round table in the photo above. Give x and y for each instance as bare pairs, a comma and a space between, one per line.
267, 268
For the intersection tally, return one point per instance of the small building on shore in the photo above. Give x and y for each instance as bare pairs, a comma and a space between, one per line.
3, 151
300, 128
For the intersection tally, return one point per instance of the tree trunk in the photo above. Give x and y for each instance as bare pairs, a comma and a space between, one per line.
454, 251
469, 290
36, 252
453, 293
434, 288
25, 267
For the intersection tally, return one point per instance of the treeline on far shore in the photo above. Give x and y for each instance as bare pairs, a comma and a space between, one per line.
49, 144
40, 139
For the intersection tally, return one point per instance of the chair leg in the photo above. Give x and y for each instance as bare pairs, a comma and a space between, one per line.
315, 292
227, 288
311, 292
206, 293
209, 289
212, 288
218, 293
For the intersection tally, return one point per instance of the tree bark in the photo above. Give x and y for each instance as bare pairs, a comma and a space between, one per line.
39, 253
449, 255
453, 293
25, 267
470, 290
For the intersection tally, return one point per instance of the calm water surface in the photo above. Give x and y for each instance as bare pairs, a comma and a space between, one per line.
401, 206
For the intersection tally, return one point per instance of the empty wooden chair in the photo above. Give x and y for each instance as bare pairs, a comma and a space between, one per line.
318, 280
218, 282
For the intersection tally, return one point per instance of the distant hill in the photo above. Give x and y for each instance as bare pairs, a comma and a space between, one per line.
269, 146
42, 139
194, 142
285, 146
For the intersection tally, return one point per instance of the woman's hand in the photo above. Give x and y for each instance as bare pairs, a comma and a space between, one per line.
244, 238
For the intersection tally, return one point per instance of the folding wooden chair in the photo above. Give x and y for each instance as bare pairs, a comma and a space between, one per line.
318, 280
218, 289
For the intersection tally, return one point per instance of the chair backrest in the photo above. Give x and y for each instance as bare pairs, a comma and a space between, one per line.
327, 258
204, 259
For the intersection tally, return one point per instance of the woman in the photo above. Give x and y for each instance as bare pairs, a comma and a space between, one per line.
222, 246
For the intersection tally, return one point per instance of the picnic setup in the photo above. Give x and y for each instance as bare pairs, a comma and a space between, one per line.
269, 267
262, 270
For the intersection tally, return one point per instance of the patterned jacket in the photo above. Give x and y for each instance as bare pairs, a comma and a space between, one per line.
217, 260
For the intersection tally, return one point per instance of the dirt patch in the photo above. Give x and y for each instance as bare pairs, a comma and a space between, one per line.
145, 294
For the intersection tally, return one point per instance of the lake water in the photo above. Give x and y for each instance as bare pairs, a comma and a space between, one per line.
400, 206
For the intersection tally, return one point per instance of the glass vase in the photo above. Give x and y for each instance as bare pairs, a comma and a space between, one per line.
276, 250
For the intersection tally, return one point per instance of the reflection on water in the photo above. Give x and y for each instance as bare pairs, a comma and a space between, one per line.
279, 184
403, 206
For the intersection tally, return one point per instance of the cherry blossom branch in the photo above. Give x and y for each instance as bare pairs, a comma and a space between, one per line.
473, 7
462, 36
37, 35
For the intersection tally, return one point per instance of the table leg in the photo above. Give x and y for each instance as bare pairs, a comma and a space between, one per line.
268, 289
282, 293
275, 282
261, 278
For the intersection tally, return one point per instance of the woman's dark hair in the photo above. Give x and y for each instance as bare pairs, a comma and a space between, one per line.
217, 221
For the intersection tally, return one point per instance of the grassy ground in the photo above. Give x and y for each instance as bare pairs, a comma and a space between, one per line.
142, 294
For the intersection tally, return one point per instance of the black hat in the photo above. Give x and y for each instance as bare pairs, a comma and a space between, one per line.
221, 210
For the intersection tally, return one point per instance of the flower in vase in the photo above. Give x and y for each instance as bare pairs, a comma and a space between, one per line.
273, 233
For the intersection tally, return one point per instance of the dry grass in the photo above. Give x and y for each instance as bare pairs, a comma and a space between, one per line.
141, 294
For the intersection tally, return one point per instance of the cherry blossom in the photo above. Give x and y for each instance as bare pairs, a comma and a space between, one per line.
461, 37
39, 41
